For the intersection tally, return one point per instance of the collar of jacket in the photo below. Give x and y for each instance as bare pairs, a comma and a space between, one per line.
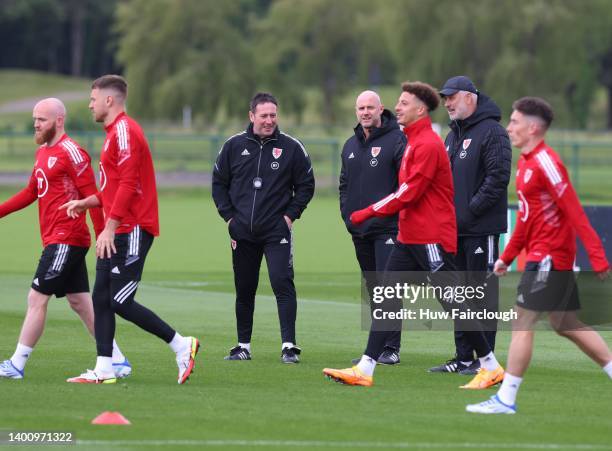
417, 126
253, 136
535, 150
387, 123
117, 119
485, 109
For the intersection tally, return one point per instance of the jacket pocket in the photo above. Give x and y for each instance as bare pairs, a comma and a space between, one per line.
284, 224
233, 228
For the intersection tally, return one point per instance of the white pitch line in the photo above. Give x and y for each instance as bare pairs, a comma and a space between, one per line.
189, 283
340, 444
259, 296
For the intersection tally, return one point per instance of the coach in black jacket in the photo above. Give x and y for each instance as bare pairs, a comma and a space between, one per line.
371, 159
262, 182
481, 156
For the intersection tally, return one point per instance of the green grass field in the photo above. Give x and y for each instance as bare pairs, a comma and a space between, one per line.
16, 84
585, 153
19, 84
589, 167
565, 402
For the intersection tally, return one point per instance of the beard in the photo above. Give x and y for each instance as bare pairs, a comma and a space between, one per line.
46, 135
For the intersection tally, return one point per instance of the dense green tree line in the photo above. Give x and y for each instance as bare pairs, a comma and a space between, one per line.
213, 55
72, 37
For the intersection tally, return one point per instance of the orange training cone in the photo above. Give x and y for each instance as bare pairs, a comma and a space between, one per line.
110, 418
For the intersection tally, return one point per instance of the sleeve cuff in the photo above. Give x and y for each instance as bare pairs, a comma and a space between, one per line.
227, 215
292, 215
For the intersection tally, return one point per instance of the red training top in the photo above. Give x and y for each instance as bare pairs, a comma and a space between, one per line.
550, 214
61, 173
127, 178
424, 198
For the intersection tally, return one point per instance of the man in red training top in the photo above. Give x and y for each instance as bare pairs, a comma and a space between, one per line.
62, 172
549, 216
427, 235
128, 195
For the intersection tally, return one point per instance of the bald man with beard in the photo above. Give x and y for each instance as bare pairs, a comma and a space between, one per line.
371, 159
62, 172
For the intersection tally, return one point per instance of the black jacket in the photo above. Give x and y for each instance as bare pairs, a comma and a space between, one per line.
287, 182
369, 173
481, 156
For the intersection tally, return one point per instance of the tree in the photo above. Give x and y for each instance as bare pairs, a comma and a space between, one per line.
330, 46
64, 36
186, 52
24, 26
509, 48
597, 44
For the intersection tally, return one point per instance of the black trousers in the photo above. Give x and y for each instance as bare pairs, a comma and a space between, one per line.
425, 263
475, 258
372, 255
246, 259
117, 280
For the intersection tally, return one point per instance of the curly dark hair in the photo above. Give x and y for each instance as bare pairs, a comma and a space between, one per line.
424, 92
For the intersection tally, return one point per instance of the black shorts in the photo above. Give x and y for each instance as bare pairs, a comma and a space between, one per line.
544, 289
121, 273
61, 269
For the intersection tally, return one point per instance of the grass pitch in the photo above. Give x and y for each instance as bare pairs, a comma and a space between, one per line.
565, 402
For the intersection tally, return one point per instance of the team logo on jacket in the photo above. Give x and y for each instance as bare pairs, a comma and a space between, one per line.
234, 244
375, 151
527, 176
42, 182
51, 162
466, 143
276, 153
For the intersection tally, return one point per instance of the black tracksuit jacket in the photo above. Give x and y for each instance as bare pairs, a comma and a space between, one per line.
369, 173
282, 165
481, 157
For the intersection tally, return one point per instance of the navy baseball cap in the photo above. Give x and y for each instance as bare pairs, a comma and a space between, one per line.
458, 83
